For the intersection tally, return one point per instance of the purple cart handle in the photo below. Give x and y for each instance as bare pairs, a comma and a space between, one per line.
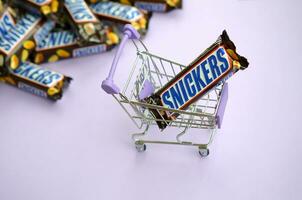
108, 84
222, 105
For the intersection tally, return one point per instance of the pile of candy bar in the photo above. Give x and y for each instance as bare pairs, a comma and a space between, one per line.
33, 32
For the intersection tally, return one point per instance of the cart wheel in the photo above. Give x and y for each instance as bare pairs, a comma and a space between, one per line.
140, 147
204, 152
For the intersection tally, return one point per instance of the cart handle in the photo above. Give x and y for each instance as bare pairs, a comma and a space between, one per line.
108, 84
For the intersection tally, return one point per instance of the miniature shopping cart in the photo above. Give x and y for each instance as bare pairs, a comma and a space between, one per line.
150, 73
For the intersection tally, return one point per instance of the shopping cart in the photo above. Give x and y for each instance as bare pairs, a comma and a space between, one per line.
149, 73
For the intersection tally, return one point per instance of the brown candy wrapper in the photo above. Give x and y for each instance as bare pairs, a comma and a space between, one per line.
213, 67
120, 14
61, 45
47, 8
154, 5
7, 19
39, 81
85, 24
17, 44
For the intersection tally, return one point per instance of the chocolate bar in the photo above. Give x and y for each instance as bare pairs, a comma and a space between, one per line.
7, 21
83, 21
158, 5
213, 67
122, 14
92, 1
43, 31
17, 44
154, 5
47, 8
39, 81
63, 44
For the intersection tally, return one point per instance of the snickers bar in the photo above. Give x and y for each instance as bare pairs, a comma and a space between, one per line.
211, 68
39, 81
17, 43
122, 14
63, 44
7, 21
47, 8
154, 5
83, 21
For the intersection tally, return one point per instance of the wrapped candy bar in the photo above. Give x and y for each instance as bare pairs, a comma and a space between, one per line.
48, 8
39, 81
44, 30
154, 5
63, 44
213, 67
17, 44
7, 20
122, 14
83, 22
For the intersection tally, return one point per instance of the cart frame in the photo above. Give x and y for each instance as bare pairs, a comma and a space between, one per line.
206, 113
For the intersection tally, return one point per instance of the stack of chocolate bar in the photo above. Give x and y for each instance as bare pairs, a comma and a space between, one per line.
33, 32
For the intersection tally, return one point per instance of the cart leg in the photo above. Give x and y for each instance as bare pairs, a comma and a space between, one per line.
203, 149
213, 132
139, 143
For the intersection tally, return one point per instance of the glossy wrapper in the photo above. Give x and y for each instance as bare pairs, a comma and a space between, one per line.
17, 44
213, 67
7, 20
154, 5
44, 30
92, 1
63, 44
48, 8
39, 81
122, 14
126, 2
87, 27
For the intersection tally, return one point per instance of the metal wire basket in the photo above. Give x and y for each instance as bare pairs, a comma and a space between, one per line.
151, 72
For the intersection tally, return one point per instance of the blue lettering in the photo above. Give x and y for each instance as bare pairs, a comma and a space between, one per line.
154, 7
31, 89
6, 23
85, 51
57, 39
35, 73
190, 87
51, 79
116, 10
42, 33
206, 72
176, 96
166, 100
79, 11
183, 90
213, 66
24, 72
220, 55
42, 76
200, 84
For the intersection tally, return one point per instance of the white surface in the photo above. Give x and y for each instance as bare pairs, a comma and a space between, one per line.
79, 148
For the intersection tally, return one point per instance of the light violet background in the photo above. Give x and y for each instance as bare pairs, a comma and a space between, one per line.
80, 148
